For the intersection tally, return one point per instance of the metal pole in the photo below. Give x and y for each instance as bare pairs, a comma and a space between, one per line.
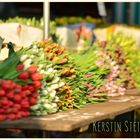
102, 11
46, 11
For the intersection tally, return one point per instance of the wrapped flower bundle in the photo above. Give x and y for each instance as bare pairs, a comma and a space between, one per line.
18, 86
45, 78
131, 52
73, 93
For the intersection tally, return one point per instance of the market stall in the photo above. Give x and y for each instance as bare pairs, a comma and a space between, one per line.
55, 87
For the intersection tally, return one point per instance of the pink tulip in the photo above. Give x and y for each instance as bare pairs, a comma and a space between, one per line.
91, 94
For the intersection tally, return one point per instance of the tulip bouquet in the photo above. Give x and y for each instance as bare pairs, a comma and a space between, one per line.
69, 96
46, 78
119, 79
128, 57
114, 85
111, 60
92, 75
47, 100
18, 86
76, 75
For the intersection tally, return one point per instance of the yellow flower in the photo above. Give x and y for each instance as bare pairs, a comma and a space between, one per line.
128, 61
70, 107
65, 71
70, 91
50, 55
60, 104
41, 44
70, 100
72, 70
47, 49
72, 76
63, 61
55, 59
66, 96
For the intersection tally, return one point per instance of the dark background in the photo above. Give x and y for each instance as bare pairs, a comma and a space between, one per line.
117, 12
58, 9
22, 9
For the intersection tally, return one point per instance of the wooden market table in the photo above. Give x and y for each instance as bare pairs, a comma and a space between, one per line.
74, 119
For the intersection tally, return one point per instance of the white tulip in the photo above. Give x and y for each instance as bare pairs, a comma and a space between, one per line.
45, 92
50, 70
48, 106
53, 93
42, 100
27, 63
35, 47
27, 66
49, 89
23, 57
42, 71
55, 80
35, 50
61, 84
38, 113
56, 99
54, 71
54, 86
35, 107
46, 101
53, 110
54, 105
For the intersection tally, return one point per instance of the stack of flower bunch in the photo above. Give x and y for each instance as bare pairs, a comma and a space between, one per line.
110, 56
103, 70
114, 83
56, 92
114, 53
131, 53
68, 82
43, 79
46, 78
92, 74
47, 101
18, 86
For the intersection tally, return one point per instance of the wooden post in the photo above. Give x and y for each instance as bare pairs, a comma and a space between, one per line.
46, 11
